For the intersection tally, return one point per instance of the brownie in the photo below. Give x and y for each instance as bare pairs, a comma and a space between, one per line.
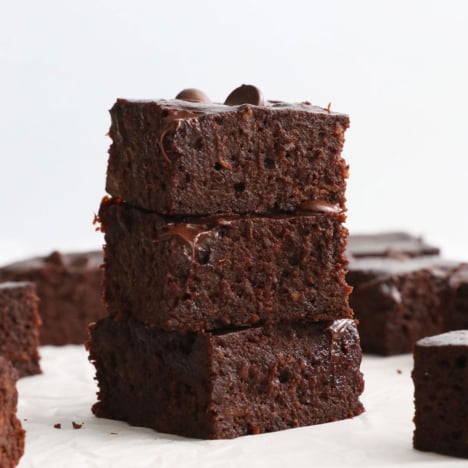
190, 158
19, 326
11, 432
398, 301
227, 384
457, 312
70, 290
389, 244
440, 378
206, 273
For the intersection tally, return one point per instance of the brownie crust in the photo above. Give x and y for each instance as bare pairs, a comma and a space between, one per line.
11, 432
69, 287
440, 378
19, 326
184, 158
226, 271
226, 384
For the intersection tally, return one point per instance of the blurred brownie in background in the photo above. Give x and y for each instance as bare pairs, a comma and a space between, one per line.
19, 326
403, 291
69, 287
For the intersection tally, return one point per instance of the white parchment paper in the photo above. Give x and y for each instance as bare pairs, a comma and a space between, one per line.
64, 393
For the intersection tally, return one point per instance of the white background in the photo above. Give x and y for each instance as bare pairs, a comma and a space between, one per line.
399, 68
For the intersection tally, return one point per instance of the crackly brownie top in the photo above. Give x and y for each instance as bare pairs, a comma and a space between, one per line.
76, 261
453, 338
389, 244
193, 103
381, 266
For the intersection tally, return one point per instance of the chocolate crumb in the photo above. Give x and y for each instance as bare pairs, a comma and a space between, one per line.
76, 425
114, 433
58, 426
399, 371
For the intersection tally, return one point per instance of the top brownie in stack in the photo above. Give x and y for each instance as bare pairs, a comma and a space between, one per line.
177, 157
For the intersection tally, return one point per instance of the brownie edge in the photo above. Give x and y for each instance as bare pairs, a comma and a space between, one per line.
11, 433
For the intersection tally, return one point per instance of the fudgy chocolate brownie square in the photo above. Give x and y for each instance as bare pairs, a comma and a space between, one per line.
11, 432
19, 326
227, 384
398, 301
191, 158
200, 273
440, 378
70, 290
388, 244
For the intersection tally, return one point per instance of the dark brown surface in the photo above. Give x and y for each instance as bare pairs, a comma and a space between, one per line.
457, 316
225, 385
388, 244
399, 301
440, 378
184, 158
70, 290
208, 273
19, 326
11, 432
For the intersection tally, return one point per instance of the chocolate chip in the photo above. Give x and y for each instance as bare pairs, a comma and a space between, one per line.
76, 425
245, 94
193, 95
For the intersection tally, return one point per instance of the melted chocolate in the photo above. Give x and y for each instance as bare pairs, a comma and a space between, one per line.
320, 206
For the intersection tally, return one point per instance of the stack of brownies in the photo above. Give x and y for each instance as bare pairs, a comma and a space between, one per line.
224, 268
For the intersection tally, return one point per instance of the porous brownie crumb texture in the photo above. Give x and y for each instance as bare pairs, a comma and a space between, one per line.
11, 432
440, 378
19, 326
182, 158
223, 385
240, 270
70, 290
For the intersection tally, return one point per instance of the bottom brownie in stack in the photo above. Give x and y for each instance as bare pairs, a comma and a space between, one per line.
227, 384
